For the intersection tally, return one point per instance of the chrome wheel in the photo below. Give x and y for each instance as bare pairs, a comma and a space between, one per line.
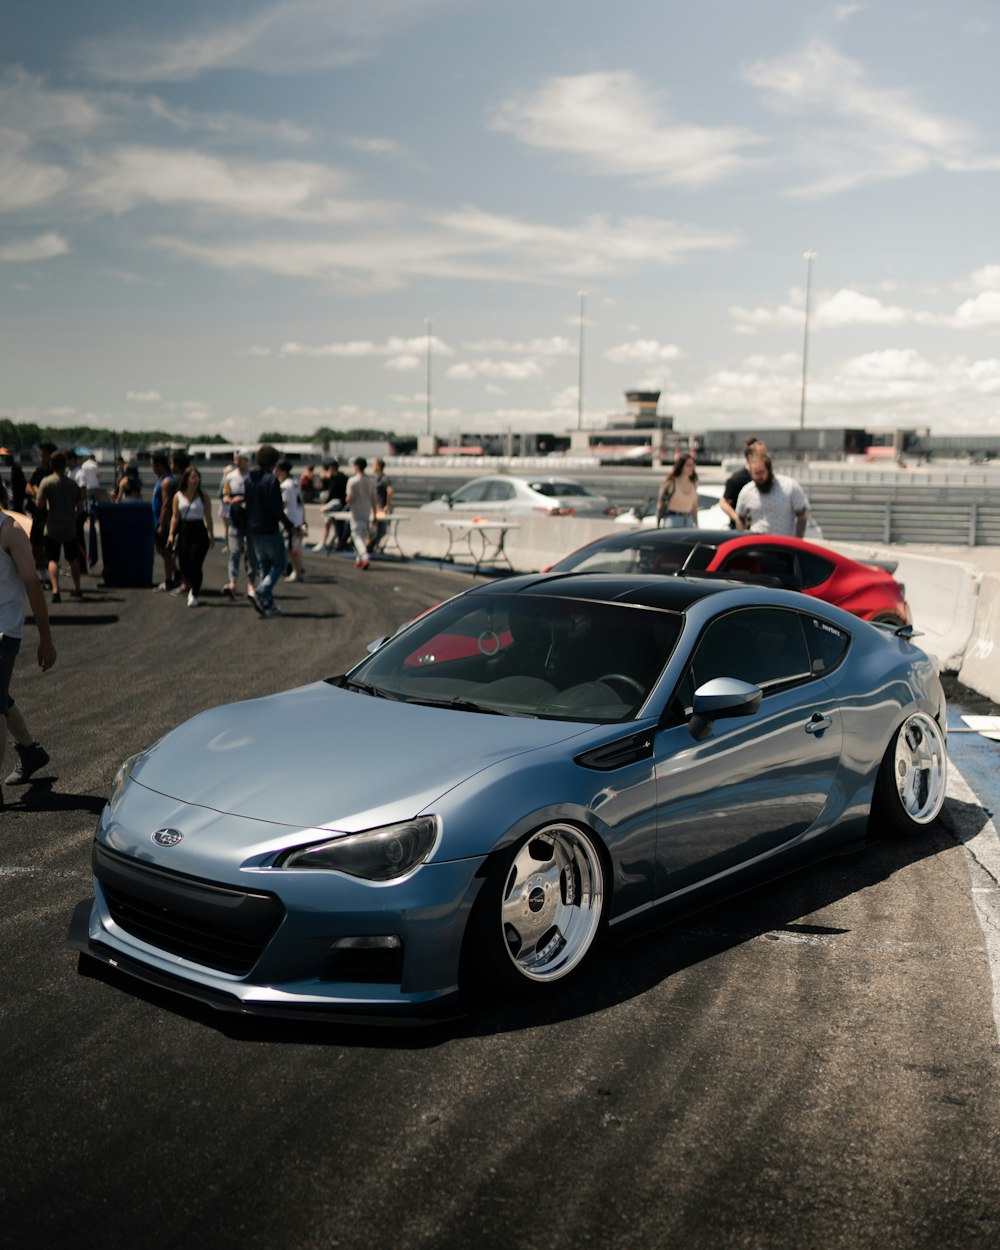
551, 903
920, 768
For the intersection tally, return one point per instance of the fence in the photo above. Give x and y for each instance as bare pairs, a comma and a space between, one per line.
883, 513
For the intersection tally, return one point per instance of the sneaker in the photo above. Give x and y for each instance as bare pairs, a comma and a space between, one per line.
295, 577
163, 586
29, 760
179, 590
76, 594
56, 597
273, 610
192, 601
255, 603
229, 590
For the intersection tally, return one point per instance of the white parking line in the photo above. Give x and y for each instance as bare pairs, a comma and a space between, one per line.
982, 848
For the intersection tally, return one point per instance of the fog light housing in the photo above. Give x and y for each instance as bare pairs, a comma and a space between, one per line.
375, 958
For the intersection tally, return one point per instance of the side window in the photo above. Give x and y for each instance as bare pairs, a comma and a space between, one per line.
827, 644
473, 493
814, 569
762, 646
771, 561
499, 491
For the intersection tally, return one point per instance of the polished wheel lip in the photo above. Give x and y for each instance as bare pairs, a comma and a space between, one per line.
550, 909
920, 768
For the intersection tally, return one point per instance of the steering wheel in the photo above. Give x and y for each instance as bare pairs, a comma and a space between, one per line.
624, 678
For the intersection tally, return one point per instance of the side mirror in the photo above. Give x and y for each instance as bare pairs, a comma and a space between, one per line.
374, 645
448, 499
719, 698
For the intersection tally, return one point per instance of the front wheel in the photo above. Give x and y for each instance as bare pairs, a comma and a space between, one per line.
913, 776
539, 912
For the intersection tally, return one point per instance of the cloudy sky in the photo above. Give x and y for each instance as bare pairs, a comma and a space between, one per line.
233, 215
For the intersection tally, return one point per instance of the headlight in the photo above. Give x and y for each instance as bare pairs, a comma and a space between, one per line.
121, 778
377, 854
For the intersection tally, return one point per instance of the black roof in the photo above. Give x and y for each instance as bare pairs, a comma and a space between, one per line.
652, 590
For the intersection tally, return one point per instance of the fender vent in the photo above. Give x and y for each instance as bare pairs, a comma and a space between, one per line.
617, 754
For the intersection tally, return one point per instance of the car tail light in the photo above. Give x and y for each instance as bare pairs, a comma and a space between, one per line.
612, 511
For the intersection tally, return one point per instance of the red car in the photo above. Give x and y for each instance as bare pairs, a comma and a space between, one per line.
868, 590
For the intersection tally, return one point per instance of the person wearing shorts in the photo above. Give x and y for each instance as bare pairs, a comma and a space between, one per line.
19, 585
60, 503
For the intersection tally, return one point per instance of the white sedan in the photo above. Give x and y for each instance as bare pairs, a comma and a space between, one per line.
509, 495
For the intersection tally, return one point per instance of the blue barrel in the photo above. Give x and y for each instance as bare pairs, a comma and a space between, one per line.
126, 542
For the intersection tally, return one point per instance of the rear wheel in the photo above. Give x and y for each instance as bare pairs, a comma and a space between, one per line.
913, 776
539, 912
888, 618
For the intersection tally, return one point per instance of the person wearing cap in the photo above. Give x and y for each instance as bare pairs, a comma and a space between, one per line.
19, 586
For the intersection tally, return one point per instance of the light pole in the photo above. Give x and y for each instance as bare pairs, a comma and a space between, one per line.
429, 324
579, 385
808, 257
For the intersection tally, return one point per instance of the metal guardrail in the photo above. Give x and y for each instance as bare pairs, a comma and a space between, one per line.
947, 515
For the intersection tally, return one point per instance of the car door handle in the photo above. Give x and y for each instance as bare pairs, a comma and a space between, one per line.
818, 723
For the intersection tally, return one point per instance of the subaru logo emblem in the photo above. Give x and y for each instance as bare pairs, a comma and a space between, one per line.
167, 837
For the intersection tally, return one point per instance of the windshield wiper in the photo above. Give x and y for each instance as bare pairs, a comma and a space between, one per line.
351, 683
460, 704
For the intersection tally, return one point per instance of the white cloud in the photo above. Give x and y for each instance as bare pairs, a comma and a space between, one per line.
557, 345
287, 37
231, 125
844, 308
41, 247
642, 352
144, 397
505, 370
362, 348
403, 364
614, 123
129, 177
24, 181
467, 245
254, 350
850, 132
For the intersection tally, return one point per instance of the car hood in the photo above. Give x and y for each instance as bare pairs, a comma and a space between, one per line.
323, 757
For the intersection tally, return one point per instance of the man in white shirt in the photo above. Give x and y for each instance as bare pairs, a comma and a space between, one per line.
771, 503
361, 500
295, 510
90, 480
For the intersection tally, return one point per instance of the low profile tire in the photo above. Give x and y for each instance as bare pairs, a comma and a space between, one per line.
888, 618
539, 913
912, 778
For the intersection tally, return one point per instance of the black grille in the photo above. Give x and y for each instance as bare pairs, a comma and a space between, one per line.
220, 927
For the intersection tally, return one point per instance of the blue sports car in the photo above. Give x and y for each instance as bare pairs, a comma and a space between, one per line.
559, 756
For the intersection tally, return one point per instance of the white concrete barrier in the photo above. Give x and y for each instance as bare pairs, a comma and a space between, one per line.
980, 668
942, 595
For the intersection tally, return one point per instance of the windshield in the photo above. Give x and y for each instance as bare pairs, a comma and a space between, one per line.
639, 554
526, 655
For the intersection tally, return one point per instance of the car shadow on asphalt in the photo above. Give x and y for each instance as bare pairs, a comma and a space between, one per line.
625, 969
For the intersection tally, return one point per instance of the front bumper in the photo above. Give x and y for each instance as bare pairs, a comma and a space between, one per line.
141, 919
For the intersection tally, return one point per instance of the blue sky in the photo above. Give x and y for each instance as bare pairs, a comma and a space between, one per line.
226, 217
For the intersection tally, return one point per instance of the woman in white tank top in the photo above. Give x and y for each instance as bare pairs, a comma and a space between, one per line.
191, 529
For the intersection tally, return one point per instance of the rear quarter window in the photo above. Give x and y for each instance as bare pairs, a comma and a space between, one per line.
827, 644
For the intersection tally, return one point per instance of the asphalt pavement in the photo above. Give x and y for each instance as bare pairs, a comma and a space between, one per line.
813, 1065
